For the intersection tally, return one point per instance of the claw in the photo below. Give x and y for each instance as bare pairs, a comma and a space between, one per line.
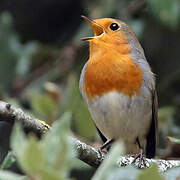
141, 158
105, 147
104, 151
139, 155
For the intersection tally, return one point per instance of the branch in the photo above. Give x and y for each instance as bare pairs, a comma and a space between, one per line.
11, 114
86, 153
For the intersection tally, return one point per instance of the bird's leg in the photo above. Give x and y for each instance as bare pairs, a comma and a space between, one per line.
139, 155
105, 145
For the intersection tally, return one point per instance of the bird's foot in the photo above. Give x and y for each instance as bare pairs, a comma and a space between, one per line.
107, 143
104, 147
103, 151
140, 156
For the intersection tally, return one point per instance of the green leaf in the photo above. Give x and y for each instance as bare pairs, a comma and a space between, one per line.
173, 174
151, 173
82, 119
18, 141
9, 159
44, 106
166, 11
14, 56
125, 173
24, 58
28, 151
8, 53
174, 140
7, 175
35, 163
49, 174
58, 146
33, 158
109, 163
165, 113
48, 159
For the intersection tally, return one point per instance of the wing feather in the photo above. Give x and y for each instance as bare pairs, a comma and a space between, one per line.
151, 136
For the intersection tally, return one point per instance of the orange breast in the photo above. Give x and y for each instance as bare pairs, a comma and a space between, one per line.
109, 71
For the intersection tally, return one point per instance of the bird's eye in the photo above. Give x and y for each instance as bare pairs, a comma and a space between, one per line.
114, 26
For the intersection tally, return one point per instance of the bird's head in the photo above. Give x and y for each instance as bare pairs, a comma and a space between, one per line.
114, 34
108, 30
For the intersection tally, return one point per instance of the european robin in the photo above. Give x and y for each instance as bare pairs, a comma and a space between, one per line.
118, 87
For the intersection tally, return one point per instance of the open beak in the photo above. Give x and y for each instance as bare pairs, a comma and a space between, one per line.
97, 29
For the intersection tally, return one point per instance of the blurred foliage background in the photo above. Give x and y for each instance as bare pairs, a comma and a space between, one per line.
41, 57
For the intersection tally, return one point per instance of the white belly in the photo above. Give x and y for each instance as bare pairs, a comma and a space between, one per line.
121, 117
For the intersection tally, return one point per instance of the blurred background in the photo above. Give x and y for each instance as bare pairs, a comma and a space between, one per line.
41, 57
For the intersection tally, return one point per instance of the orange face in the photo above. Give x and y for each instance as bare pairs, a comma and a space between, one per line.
108, 30
110, 66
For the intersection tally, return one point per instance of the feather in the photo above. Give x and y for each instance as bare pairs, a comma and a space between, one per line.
151, 136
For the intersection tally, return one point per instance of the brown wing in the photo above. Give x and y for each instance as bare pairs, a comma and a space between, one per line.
151, 136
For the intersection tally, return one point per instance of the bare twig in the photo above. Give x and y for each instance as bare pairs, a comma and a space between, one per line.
10, 113
86, 153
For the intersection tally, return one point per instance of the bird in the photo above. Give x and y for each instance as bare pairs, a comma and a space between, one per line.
118, 87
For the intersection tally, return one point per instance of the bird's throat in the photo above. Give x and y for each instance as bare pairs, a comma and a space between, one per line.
111, 70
